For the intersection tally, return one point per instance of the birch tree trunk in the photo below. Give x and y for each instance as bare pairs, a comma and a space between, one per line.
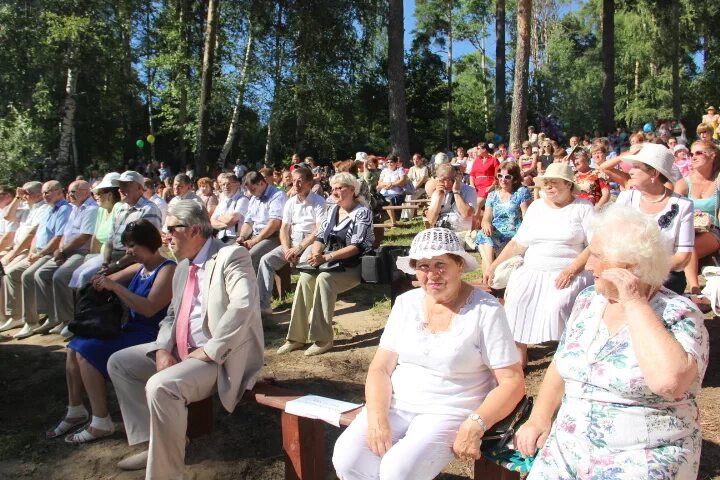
675, 61
66, 128
396, 81
183, 75
206, 87
518, 119
239, 100
500, 118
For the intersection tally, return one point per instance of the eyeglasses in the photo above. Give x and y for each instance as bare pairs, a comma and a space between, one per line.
507, 176
698, 153
425, 268
171, 228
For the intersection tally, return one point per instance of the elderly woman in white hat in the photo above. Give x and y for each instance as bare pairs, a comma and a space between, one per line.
446, 370
652, 168
107, 195
553, 240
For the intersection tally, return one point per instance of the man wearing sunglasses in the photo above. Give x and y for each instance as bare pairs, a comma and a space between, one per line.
20, 276
211, 340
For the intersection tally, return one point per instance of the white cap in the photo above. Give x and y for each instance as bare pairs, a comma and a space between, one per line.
132, 176
680, 146
361, 156
435, 242
110, 180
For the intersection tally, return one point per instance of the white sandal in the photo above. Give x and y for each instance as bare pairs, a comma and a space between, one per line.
65, 425
86, 435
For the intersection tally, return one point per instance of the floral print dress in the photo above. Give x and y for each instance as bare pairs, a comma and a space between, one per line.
506, 219
610, 425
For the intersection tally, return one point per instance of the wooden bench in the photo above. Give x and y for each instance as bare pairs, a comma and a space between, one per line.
303, 439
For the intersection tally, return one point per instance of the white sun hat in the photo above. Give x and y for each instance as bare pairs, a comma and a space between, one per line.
655, 156
435, 242
110, 180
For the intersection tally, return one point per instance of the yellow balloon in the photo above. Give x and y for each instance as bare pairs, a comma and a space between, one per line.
490, 136
151, 139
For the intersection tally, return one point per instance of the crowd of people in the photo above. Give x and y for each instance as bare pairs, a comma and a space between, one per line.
598, 244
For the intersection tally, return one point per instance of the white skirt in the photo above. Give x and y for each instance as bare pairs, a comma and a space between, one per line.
537, 311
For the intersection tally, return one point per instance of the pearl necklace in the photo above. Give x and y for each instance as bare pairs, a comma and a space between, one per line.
662, 197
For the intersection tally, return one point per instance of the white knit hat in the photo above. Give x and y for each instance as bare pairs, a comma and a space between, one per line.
435, 242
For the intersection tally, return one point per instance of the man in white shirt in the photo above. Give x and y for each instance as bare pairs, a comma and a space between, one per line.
53, 278
259, 233
211, 340
230, 213
7, 229
151, 195
302, 216
183, 189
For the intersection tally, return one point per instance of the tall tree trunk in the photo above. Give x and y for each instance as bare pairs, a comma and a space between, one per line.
396, 81
636, 89
675, 61
239, 100
608, 66
450, 77
706, 47
486, 99
67, 125
518, 119
500, 118
277, 79
206, 87
183, 76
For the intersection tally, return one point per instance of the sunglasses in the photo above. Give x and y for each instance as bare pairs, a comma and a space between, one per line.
698, 153
171, 228
506, 176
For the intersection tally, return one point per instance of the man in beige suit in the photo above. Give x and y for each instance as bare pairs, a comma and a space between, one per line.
211, 340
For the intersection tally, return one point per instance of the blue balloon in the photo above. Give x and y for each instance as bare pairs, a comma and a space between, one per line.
648, 127
498, 138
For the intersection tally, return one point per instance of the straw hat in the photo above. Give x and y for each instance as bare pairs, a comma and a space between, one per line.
435, 242
655, 156
562, 171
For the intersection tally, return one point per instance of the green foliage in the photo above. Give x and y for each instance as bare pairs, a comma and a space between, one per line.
20, 146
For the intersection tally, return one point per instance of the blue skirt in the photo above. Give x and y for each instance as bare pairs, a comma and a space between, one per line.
97, 351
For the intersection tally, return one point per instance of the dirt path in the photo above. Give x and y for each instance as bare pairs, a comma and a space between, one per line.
246, 444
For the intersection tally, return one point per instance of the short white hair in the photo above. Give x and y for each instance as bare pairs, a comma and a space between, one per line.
191, 213
629, 236
347, 179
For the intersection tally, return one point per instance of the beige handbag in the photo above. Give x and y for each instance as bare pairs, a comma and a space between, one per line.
504, 270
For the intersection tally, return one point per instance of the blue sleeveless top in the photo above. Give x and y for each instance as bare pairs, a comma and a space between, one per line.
707, 205
141, 284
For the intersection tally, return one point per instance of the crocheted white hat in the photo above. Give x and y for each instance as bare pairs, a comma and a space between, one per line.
435, 242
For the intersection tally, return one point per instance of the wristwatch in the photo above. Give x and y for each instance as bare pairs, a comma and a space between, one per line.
474, 417
456, 192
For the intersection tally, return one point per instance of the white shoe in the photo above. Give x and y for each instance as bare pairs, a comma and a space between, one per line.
10, 324
57, 329
46, 327
66, 333
318, 348
290, 346
27, 331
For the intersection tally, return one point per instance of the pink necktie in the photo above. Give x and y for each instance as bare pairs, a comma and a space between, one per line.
182, 319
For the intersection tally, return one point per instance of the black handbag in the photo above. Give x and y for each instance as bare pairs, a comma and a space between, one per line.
98, 314
496, 439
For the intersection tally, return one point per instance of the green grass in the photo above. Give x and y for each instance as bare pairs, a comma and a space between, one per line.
381, 307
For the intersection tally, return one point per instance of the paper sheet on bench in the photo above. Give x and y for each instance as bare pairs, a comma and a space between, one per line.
322, 408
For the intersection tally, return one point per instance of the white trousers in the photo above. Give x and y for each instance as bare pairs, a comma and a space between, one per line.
422, 447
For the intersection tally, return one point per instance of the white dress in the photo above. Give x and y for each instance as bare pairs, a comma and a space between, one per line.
554, 237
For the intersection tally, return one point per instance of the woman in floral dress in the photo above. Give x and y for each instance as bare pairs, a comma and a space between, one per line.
593, 185
503, 213
627, 372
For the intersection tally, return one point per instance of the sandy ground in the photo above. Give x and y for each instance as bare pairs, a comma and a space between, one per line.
245, 444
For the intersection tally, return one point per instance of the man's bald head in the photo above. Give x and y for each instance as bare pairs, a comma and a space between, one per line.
78, 192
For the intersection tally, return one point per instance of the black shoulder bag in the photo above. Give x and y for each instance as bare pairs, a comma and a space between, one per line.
98, 314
